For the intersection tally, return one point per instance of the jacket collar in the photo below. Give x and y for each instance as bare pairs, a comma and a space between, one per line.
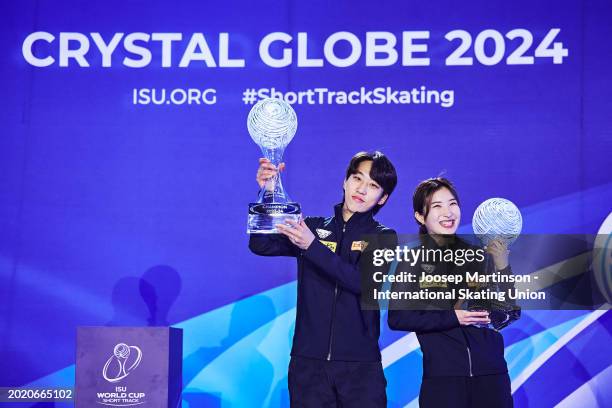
428, 241
356, 219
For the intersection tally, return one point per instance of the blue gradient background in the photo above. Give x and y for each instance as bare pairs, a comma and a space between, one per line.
118, 214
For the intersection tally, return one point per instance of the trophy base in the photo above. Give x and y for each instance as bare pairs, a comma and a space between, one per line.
500, 318
480, 308
264, 217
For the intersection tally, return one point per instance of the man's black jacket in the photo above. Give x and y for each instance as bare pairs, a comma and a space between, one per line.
330, 324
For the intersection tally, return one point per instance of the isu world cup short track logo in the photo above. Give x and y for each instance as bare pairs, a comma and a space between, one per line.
124, 360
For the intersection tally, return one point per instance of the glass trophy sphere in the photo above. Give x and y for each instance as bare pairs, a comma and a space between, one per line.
497, 218
272, 123
602, 259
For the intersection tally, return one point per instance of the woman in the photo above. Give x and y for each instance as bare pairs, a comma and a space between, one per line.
463, 359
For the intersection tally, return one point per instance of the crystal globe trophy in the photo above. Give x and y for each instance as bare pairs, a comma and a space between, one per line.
496, 219
272, 123
602, 259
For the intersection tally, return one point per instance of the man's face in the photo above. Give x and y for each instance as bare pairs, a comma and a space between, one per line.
361, 193
444, 213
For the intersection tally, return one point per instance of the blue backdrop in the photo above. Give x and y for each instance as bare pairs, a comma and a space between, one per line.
126, 169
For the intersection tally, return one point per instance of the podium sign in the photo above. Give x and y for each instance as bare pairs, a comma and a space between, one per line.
129, 367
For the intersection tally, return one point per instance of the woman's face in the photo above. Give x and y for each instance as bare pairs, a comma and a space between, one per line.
444, 213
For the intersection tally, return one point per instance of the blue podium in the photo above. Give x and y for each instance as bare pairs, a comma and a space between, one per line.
129, 367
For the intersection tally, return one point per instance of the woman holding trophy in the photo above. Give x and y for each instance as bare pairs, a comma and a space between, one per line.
463, 352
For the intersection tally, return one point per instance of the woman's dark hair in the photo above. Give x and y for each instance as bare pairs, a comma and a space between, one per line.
421, 200
382, 171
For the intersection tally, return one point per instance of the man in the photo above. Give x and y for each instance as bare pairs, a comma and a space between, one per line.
335, 359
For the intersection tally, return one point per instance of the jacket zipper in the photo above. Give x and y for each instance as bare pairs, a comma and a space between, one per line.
470, 360
331, 330
469, 352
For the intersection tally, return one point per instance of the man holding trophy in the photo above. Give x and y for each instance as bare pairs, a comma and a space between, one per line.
335, 359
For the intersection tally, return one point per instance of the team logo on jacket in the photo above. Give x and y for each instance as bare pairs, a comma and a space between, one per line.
359, 246
331, 245
323, 233
429, 269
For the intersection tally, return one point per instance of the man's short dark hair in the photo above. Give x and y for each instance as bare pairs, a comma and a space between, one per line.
383, 172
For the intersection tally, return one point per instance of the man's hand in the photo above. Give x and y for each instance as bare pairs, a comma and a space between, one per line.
467, 318
267, 171
298, 233
499, 251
